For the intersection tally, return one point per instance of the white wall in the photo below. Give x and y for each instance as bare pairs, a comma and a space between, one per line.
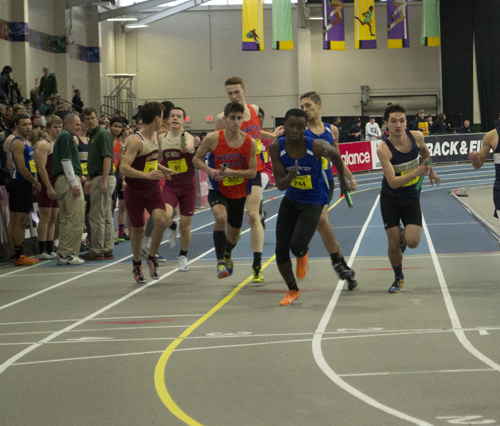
186, 59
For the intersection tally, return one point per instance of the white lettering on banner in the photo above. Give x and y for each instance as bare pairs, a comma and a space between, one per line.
445, 149
437, 149
475, 145
430, 147
453, 148
358, 158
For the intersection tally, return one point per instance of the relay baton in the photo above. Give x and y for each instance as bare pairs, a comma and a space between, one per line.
347, 195
183, 141
421, 178
223, 167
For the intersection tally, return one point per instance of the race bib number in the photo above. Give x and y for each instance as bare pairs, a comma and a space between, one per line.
302, 182
266, 156
325, 163
179, 166
84, 168
259, 146
151, 166
32, 166
114, 167
232, 181
413, 182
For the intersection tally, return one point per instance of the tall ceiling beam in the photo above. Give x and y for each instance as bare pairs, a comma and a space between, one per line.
127, 10
170, 11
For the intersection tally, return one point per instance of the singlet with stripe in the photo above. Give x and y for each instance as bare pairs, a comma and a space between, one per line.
310, 186
147, 161
327, 136
83, 154
29, 161
252, 128
403, 163
48, 164
496, 159
236, 159
174, 159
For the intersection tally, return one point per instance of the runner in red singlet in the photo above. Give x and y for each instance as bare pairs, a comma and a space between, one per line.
235, 89
232, 162
142, 173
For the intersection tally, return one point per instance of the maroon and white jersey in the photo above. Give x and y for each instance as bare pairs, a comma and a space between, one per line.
147, 161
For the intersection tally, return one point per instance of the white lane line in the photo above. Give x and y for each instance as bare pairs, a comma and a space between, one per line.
15, 302
61, 273
455, 321
31, 348
318, 335
399, 373
23, 268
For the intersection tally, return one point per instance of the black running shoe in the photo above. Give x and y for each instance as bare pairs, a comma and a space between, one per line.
263, 217
138, 275
347, 274
153, 268
396, 286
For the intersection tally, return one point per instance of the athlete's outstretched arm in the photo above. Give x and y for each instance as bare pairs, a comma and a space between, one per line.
347, 172
490, 142
426, 155
282, 178
209, 144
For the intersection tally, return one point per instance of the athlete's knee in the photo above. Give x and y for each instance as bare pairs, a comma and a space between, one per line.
413, 242
160, 221
298, 247
323, 223
253, 217
221, 220
282, 255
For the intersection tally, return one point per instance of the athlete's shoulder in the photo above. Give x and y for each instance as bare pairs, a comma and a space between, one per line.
418, 136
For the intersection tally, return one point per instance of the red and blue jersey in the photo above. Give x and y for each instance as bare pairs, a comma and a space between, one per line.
252, 128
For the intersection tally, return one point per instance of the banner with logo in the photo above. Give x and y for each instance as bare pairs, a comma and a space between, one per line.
253, 25
364, 24
446, 148
430, 23
397, 24
282, 25
333, 25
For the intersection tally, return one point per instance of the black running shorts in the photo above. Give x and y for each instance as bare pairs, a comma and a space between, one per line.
396, 210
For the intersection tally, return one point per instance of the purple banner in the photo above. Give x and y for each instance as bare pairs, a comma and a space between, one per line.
333, 25
397, 24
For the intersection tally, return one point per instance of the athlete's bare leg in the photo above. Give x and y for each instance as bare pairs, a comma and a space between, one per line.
160, 220
136, 235
410, 236
256, 229
185, 232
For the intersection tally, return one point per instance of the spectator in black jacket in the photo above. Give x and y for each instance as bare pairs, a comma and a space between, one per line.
466, 128
354, 132
440, 125
77, 101
420, 123
336, 123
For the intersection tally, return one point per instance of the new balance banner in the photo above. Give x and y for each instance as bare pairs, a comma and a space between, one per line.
364, 24
253, 25
282, 25
430, 23
333, 25
397, 24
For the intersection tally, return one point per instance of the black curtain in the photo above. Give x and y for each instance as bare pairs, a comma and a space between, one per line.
457, 57
487, 43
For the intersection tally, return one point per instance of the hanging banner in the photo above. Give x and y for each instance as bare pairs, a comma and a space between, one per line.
364, 24
430, 23
282, 25
397, 24
333, 25
253, 25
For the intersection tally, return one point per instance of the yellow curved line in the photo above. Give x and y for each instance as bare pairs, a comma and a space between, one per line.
352, 193
159, 376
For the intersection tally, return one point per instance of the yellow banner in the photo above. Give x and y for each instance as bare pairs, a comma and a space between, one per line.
364, 24
253, 25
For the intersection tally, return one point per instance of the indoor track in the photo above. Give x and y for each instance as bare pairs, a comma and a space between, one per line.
86, 345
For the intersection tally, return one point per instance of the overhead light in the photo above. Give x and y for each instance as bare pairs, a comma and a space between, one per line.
136, 26
315, 18
123, 19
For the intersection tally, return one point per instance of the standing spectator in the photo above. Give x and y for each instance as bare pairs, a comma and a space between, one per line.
336, 123
102, 186
440, 125
420, 123
429, 120
77, 101
48, 86
21, 186
496, 123
68, 172
466, 128
354, 132
372, 130
5, 84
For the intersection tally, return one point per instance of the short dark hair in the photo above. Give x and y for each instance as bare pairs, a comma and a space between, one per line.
76, 90
233, 81
295, 112
393, 108
115, 120
180, 109
150, 111
168, 107
62, 114
16, 118
311, 95
88, 111
230, 107
262, 112
48, 112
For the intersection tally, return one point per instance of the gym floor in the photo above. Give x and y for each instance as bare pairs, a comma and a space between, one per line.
82, 345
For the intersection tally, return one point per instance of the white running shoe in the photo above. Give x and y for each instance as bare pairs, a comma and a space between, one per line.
46, 256
69, 260
172, 238
183, 263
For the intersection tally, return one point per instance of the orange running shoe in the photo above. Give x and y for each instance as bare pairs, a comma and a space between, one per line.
25, 261
302, 266
291, 296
